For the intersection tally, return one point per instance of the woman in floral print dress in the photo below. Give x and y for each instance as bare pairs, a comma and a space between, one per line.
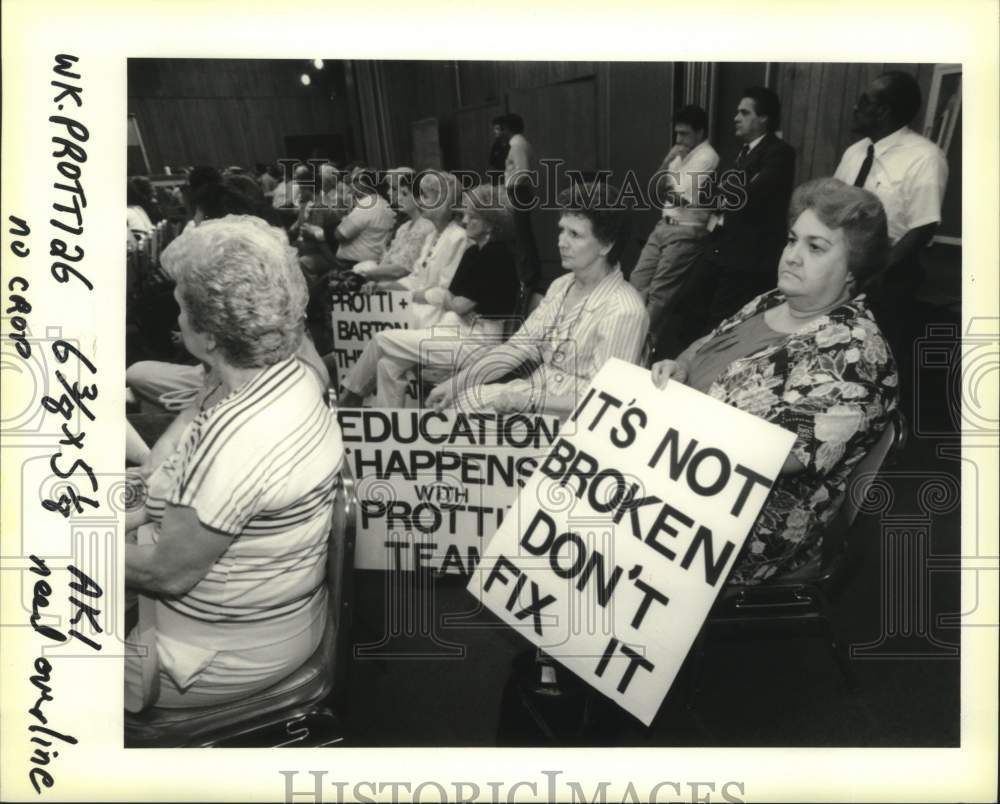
809, 357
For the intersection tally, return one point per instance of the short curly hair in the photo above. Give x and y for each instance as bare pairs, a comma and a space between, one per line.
241, 283
486, 202
858, 212
607, 210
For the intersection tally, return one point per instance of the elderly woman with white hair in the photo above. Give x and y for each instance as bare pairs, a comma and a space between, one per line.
241, 510
467, 315
181, 388
407, 242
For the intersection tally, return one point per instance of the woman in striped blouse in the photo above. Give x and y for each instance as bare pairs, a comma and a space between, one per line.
589, 315
240, 512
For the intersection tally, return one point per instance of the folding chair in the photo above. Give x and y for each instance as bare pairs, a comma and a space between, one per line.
302, 708
800, 601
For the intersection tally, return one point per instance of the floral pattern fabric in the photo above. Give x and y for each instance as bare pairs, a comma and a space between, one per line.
832, 383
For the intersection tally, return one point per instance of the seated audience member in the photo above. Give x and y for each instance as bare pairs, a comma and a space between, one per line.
200, 175
362, 235
334, 193
315, 257
442, 250
482, 295
231, 196
438, 257
240, 510
267, 178
588, 316
353, 171
146, 198
245, 184
284, 196
198, 178
808, 357
178, 387
138, 220
402, 253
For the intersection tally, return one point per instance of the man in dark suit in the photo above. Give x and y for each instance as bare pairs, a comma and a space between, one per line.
749, 228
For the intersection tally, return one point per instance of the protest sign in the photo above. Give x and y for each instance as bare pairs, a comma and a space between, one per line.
622, 538
433, 487
358, 317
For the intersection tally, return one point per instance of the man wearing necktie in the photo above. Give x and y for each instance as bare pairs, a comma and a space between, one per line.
748, 229
905, 170
908, 173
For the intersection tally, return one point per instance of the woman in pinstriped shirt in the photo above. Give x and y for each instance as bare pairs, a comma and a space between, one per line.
588, 316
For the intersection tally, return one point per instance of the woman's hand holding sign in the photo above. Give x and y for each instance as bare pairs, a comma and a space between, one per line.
666, 370
442, 396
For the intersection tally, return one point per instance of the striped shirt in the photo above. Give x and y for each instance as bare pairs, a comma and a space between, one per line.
260, 466
571, 344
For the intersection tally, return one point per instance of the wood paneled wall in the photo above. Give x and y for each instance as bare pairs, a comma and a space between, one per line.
239, 111
592, 115
464, 96
232, 111
473, 134
633, 106
639, 132
618, 115
415, 90
816, 104
731, 78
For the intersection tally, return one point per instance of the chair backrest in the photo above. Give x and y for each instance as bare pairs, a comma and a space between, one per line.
154, 247
648, 353
340, 579
860, 482
865, 472
132, 277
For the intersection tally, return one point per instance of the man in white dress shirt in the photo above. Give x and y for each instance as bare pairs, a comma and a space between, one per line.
679, 236
905, 170
908, 173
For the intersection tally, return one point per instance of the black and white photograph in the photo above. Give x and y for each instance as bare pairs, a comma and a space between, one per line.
439, 399
783, 237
